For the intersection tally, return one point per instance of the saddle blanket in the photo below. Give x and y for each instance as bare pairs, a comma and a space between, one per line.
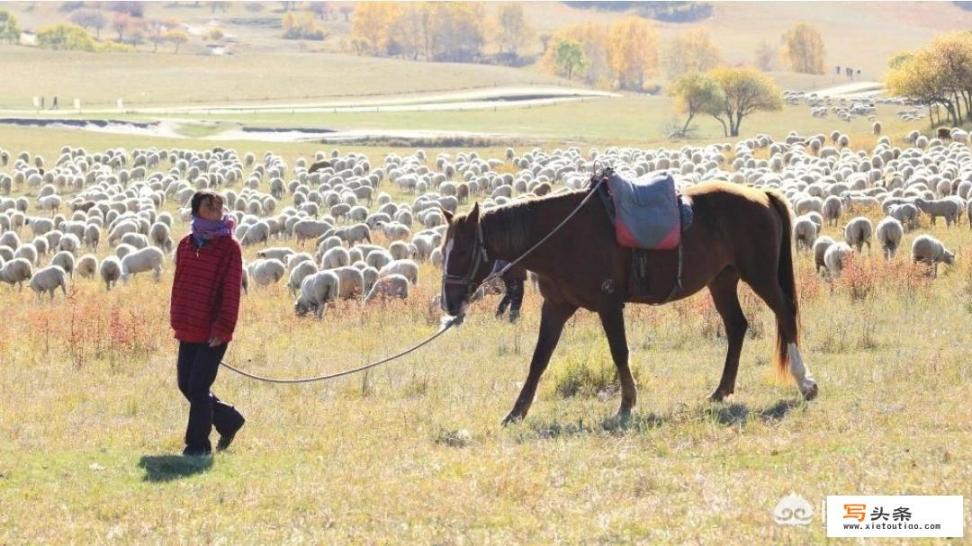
647, 212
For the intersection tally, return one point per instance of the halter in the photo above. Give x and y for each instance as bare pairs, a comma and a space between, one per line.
480, 257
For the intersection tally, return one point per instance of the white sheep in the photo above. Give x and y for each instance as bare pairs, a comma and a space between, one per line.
49, 279
352, 282
110, 271
931, 252
946, 208
310, 229
17, 271
161, 236
298, 274
92, 235
316, 291
832, 209
267, 271
407, 268
389, 286
353, 234
335, 257
906, 213
889, 234
278, 253
804, 232
256, 233
142, 260
87, 266
858, 232
835, 258
401, 250
66, 261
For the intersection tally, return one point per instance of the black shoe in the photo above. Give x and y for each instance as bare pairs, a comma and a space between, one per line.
195, 452
226, 439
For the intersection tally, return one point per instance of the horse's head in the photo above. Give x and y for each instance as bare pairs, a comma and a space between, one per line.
464, 261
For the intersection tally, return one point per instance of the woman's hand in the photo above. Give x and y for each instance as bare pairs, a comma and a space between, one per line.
216, 341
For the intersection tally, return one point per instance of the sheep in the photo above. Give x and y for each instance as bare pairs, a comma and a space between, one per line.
48, 280
65, 260
946, 208
28, 252
92, 236
408, 268
820, 247
256, 233
889, 234
931, 252
110, 271
832, 209
16, 271
352, 234
87, 266
279, 253
295, 259
905, 213
267, 271
389, 286
835, 258
352, 281
858, 232
310, 229
335, 257
297, 275
70, 243
160, 235
142, 260
804, 232
378, 259
316, 291
123, 250
370, 276
401, 250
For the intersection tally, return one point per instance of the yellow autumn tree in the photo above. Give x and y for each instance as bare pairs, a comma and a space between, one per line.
745, 90
803, 49
632, 52
693, 51
939, 74
413, 31
593, 65
371, 26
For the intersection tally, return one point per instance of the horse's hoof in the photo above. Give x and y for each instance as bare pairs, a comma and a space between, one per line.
512, 419
719, 396
809, 390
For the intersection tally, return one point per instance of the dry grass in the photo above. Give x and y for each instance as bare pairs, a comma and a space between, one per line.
413, 452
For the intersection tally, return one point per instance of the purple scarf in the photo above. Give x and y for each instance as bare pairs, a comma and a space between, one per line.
204, 230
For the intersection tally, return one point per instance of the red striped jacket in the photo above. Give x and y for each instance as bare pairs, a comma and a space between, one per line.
206, 289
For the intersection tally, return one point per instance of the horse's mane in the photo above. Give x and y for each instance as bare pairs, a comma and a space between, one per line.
508, 227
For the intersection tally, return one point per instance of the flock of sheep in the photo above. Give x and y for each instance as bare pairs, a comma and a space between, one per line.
333, 230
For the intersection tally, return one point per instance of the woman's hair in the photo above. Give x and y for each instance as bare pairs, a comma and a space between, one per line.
202, 196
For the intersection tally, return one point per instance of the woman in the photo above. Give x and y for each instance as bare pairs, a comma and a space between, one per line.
203, 313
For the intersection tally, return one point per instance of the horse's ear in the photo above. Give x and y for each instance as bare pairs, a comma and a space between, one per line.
474, 213
448, 216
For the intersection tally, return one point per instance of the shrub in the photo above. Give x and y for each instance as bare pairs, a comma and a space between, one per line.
65, 36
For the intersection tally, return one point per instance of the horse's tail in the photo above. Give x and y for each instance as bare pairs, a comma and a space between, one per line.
786, 331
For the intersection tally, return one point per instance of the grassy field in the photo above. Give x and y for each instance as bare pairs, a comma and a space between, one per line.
92, 421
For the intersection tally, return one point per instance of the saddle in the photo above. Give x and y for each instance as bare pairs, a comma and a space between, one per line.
648, 215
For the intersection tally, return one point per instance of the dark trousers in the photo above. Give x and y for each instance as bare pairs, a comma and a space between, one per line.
198, 364
513, 298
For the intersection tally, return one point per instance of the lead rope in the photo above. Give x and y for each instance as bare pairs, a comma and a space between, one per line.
445, 327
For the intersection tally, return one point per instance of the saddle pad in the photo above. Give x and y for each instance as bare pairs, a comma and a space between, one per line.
647, 212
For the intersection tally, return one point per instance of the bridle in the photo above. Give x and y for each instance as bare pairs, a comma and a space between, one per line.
480, 257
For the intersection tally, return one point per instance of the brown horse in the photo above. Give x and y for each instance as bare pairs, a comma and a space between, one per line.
737, 233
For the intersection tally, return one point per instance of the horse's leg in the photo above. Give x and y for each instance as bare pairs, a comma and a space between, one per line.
612, 319
787, 330
552, 318
726, 299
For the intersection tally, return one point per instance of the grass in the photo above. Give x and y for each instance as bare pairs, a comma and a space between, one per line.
413, 451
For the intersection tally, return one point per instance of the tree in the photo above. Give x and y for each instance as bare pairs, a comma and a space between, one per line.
514, 33
9, 30
937, 75
803, 49
372, 25
569, 57
413, 30
693, 51
632, 52
65, 36
176, 38
121, 23
346, 11
89, 19
746, 90
301, 26
765, 56
156, 33
696, 93
321, 9
458, 32
593, 40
